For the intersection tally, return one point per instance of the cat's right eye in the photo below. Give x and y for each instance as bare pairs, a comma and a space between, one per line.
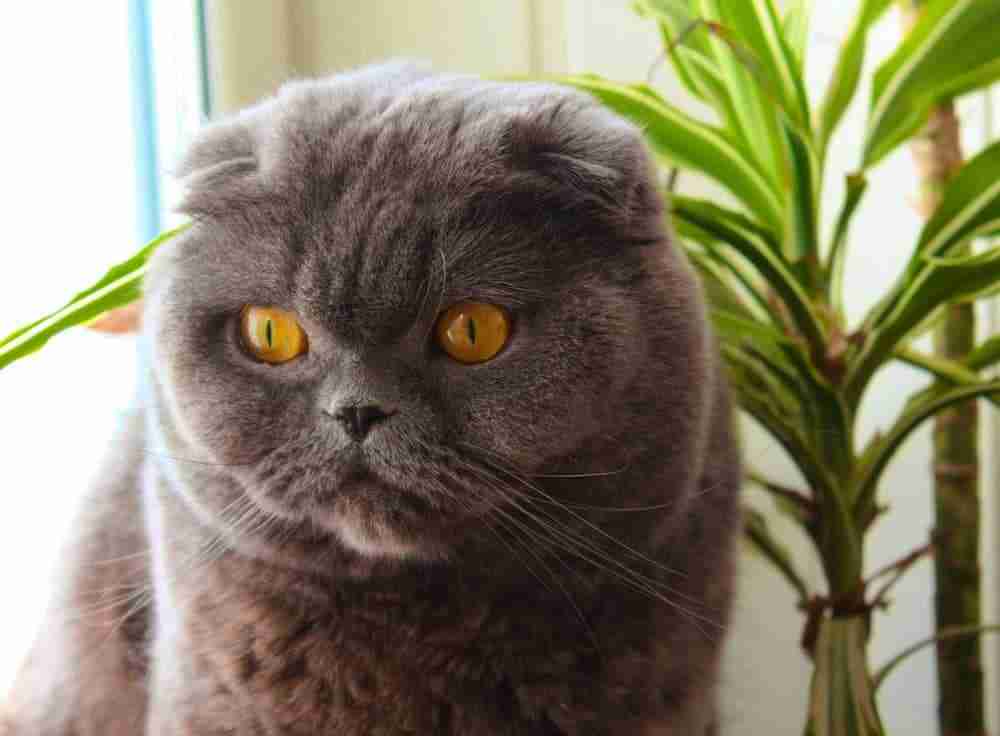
272, 335
473, 332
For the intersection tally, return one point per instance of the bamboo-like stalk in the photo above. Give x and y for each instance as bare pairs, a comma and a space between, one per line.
938, 156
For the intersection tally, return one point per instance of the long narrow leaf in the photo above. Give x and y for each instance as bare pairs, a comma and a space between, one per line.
752, 92
944, 280
720, 291
796, 27
758, 533
847, 72
802, 243
945, 634
951, 50
857, 184
756, 394
984, 355
756, 25
970, 207
921, 407
756, 250
683, 40
121, 285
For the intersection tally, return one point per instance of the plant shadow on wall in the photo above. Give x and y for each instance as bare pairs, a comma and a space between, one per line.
776, 286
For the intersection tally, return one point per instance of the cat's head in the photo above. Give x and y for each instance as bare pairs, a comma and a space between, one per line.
469, 290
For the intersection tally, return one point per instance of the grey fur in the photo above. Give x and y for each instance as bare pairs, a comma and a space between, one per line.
474, 579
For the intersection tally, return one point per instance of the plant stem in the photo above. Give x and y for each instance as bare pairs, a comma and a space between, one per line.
938, 155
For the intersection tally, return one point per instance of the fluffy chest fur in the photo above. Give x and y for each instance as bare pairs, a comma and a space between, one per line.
247, 648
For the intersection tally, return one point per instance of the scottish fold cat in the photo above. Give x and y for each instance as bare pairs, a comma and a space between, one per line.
435, 438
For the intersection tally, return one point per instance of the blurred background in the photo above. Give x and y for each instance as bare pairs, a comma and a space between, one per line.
101, 100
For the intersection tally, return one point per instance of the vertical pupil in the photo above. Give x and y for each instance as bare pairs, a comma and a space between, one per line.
269, 333
471, 327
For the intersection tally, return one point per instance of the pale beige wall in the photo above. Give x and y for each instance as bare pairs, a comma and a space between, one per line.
482, 37
257, 44
250, 50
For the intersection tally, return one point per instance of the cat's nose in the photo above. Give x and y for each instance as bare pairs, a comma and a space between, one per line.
357, 421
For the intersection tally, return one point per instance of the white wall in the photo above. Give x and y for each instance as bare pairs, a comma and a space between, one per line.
766, 677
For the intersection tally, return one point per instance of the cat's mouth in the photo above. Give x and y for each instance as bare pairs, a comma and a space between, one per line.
377, 519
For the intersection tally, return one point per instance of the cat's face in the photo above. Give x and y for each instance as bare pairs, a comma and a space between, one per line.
365, 208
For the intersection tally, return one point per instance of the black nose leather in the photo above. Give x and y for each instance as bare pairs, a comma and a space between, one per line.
358, 420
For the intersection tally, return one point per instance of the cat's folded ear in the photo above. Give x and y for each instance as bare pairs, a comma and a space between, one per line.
219, 167
595, 159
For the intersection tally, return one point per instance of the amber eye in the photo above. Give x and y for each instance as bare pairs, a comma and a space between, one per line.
272, 335
473, 332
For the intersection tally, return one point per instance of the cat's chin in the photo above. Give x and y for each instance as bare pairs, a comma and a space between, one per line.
374, 540
371, 535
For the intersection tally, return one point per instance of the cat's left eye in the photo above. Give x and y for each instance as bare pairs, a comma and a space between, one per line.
473, 332
272, 335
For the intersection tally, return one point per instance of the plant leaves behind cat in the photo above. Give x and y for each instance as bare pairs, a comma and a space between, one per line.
766, 54
681, 140
759, 535
758, 249
970, 207
951, 632
121, 285
856, 185
943, 281
950, 51
847, 72
920, 407
795, 27
985, 355
685, 43
841, 667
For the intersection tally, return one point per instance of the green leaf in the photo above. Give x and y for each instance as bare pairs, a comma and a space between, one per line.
857, 184
679, 33
802, 244
761, 253
941, 368
719, 289
847, 72
945, 634
755, 26
951, 50
921, 406
943, 281
767, 402
759, 535
683, 141
796, 27
121, 285
970, 207
842, 702
752, 113
984, 355
718, 253
793, 504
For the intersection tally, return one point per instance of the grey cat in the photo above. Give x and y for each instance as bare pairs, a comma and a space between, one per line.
378, 534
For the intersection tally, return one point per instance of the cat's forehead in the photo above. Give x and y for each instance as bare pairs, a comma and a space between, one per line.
375, 180
398, 128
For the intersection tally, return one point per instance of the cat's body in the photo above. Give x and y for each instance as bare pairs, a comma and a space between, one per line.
538, 544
